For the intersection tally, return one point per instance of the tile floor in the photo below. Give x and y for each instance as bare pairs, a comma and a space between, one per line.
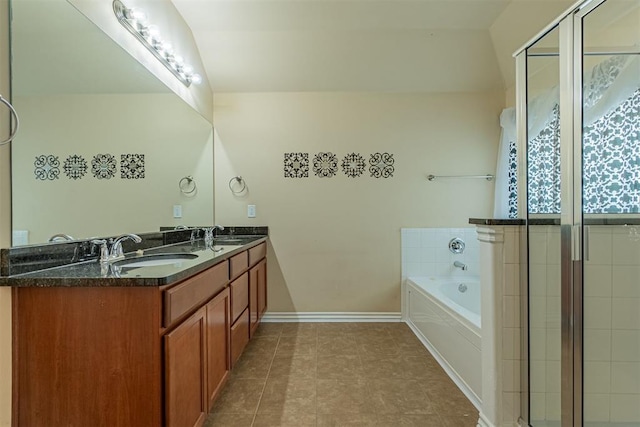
339, 374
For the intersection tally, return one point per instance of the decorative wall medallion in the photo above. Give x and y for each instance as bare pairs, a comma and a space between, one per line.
103, 166
47, 167
75, 167
325, 165
381, 165
132, 166
353, 165
296, 165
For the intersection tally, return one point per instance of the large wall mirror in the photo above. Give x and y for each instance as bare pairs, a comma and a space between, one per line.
103, 144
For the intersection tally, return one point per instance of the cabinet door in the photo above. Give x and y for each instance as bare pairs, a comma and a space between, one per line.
239, 296
262, 288
254, 314
185, 388
218, 341
239, 336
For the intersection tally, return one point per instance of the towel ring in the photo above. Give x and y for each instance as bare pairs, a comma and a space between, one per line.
14, 115
239, 180
187, 185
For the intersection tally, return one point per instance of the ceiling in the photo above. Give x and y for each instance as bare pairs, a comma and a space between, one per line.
363, 45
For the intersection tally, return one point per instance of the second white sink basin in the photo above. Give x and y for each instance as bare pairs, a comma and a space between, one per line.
155, 260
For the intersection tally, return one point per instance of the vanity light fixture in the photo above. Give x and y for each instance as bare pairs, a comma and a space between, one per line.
135, 21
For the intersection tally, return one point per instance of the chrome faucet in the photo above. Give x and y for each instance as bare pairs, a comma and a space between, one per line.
462, 266
104, 250
210, 233
60, 236
116, 247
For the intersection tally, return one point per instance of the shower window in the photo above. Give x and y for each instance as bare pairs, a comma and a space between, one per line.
611, 153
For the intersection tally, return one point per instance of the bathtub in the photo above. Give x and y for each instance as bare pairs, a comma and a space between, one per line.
444, 312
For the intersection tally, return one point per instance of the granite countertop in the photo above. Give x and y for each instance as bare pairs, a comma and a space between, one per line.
92, 273
555, 221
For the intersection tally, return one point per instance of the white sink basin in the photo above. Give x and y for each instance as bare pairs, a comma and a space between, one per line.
155, 260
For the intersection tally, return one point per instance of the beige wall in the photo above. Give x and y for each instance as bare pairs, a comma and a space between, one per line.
336, 241
174, 139
5, 225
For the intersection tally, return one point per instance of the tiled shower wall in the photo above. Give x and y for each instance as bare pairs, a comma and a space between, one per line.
611, 322
425, 252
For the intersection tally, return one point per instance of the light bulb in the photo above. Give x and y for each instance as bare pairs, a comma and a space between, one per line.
188, 69
137, 17
167, 49
154, 32
196, 79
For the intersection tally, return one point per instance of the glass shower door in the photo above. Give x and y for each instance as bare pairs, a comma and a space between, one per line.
543, 229
610, 145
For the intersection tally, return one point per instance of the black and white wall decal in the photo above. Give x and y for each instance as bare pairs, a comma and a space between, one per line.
103, 166
325, 165
132, 166
381, 165
47, 167
296, 165
75, 166
353, 165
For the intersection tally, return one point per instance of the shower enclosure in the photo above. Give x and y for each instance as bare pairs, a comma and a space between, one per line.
578, 115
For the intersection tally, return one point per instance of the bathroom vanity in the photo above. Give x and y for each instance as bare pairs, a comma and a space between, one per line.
143, 346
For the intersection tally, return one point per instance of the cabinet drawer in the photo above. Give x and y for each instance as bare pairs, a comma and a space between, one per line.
239, 336
239, 296
256, 253
238, 263
187, 295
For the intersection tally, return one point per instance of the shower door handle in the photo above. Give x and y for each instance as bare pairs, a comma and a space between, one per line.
575, 242
585, 241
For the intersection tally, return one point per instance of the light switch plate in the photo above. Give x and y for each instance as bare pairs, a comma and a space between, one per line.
251, 211
177, 211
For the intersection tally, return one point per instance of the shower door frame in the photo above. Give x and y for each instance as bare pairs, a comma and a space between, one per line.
570, 52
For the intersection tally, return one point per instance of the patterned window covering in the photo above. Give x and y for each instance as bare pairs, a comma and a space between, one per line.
611, 164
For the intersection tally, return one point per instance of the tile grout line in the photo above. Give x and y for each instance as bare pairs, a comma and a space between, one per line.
255, 414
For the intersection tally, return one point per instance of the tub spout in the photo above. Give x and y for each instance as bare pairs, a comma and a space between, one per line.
462, 266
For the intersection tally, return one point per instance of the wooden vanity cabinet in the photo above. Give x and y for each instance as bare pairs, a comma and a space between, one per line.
133, 356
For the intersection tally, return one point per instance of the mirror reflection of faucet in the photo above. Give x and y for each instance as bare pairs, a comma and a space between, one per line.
210, 235
60, 237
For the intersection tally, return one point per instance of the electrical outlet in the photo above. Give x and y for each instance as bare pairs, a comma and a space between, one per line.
177, 211
251, 211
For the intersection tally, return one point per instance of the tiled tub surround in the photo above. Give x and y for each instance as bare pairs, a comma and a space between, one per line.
425, 252
611, 324
500, 262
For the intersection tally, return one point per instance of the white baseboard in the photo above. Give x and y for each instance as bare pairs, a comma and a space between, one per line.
331, 317
483, 421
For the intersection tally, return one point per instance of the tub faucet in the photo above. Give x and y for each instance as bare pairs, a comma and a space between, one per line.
116, 248
462, 266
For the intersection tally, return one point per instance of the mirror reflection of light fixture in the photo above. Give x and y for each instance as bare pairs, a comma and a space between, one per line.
135, 21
